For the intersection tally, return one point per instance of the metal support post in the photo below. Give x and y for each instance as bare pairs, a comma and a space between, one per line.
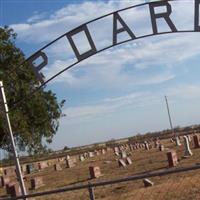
4, 109
91, 192
170, 122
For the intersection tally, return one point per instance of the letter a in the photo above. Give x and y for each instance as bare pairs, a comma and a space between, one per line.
116, 18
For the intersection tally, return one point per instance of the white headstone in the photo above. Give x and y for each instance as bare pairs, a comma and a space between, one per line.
178, 143
188, 151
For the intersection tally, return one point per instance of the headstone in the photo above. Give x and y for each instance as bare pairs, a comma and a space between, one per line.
57, 167
69, 163
85, 155
91, 154
196, 141
10, 171
130, 147
116, 153
81, 158
116, 149
189, 138
128, 161
177, 140
103, 151
13, 189
95, 172
188, 151
156, 144
42, 165
147, 183
23, 168
4, 180
146, 145
121, 163
161, 147
29, 168
123, 154
172, 158
36, 183
96, 152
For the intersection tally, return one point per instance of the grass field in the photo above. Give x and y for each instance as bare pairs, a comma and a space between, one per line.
176, 186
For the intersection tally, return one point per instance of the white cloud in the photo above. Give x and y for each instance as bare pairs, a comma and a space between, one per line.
64, 20
108, 105
108, 68
185, 91
36, 17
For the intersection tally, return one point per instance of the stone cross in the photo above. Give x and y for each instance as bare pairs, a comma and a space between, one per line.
188, 151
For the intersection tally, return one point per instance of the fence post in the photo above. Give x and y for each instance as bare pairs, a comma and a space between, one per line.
91, 191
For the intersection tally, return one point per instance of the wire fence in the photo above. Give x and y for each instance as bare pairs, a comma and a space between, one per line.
177, 183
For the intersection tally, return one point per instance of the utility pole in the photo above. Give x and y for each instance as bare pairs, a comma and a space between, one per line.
4, 110
170, 122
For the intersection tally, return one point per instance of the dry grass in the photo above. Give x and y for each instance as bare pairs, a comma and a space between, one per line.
176, 186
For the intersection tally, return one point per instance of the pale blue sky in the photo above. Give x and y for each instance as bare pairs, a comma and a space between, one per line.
118, 92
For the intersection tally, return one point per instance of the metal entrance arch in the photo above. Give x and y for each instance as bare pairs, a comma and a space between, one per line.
154, 15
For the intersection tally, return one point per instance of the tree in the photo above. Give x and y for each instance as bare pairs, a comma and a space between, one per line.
35, 119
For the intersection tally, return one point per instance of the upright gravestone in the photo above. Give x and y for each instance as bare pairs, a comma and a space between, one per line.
188, 151
10, 171
36, 183
172, 158
128, 161
123, 154
29, 168
57, 167
177, 140
131, 147
196, 141
95, 172
42, 165
13, 189
67, 157
103, 151
116, 149
189, 138
91, 154
146, 145
81, 158
121, 163
69, 163
161, 147
4, 180
156, 144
